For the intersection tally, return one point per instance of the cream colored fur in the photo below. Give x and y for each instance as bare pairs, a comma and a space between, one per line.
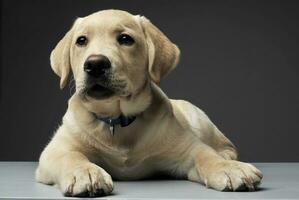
169, 136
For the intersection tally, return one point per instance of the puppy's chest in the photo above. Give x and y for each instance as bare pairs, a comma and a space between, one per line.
123, 163
125, 155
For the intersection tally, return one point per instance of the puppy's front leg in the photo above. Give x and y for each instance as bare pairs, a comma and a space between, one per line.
62, 164
221, 174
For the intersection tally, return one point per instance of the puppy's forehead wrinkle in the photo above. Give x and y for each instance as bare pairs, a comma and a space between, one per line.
116, 19
100, 28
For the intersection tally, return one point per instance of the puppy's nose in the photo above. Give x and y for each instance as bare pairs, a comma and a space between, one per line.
96, 65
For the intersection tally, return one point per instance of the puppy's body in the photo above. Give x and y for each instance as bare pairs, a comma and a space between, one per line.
168, 136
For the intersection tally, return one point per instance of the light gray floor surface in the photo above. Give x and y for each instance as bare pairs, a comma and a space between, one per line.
281, 181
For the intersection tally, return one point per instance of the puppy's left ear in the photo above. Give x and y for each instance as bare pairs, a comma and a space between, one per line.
162, 53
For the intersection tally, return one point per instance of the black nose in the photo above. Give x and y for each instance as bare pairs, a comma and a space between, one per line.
96, 65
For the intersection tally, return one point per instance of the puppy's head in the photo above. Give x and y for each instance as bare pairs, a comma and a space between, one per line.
113, 54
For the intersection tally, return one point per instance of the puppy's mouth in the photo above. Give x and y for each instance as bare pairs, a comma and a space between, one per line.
99, 91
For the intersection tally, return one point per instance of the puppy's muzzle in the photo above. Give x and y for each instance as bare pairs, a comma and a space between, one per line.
98, 71
97, 65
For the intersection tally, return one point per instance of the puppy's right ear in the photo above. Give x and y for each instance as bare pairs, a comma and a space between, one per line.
60, 57
163, 55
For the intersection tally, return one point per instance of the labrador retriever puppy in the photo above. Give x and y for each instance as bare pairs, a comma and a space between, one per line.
119, 124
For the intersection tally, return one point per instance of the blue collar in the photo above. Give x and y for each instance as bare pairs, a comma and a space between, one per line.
122, 120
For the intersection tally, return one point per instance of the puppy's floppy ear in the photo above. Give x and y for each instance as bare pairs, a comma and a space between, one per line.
163, 54
60, 58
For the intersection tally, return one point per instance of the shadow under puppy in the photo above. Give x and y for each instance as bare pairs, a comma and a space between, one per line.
120, 124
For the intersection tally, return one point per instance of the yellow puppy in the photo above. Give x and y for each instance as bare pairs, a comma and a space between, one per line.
120, 124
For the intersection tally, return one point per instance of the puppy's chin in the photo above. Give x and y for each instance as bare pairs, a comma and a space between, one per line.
98, 91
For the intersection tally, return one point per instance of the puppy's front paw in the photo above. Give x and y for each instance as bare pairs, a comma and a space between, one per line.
230, 175
88, 180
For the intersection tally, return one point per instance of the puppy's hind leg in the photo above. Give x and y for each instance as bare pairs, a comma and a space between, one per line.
224, 146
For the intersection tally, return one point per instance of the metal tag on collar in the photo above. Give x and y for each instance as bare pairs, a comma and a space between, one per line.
111, 129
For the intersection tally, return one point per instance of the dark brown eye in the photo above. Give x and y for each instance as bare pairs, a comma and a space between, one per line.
81, 41
124, 39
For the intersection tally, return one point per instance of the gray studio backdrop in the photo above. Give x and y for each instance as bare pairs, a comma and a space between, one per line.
239, 64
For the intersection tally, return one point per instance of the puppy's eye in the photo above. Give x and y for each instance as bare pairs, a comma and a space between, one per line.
124, 39
81, 41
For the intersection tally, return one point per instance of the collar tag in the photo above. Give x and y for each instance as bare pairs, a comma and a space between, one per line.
111, 129
122, 120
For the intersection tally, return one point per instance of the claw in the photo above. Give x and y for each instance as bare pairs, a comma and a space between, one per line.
229, 182
259, 174
70, 189
90, 190
206, 183
248, 184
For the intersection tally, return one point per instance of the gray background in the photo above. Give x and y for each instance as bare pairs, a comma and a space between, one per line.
239, 64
